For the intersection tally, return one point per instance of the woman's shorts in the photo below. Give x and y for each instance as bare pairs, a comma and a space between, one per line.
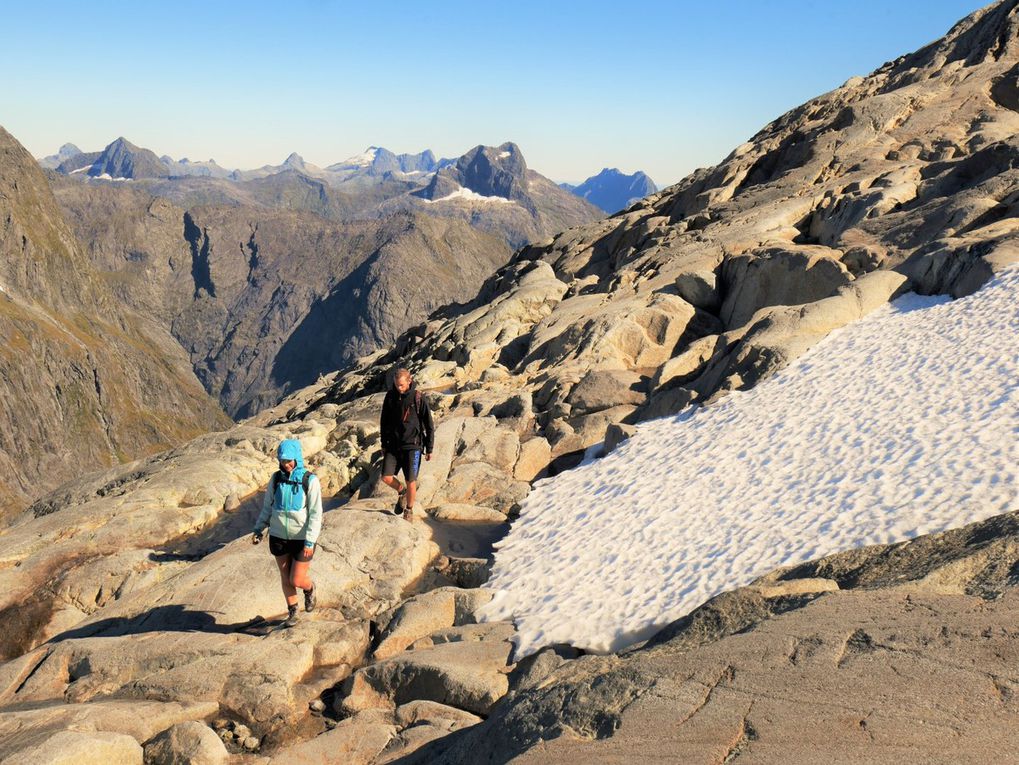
407, 460
292, 547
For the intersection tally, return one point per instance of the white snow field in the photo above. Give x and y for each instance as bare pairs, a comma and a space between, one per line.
901, 424
469, 194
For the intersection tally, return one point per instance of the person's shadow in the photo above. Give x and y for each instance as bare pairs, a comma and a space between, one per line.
174, 618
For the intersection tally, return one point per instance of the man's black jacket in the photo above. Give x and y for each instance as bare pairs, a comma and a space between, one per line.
406, 422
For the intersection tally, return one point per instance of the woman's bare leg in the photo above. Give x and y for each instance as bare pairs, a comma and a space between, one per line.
284, 563
300, 577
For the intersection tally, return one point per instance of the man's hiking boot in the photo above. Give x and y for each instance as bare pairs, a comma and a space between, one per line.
400, 502
291, 619
409, 514
309, 600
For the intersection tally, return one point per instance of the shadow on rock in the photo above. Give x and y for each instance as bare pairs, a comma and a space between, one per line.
175, 618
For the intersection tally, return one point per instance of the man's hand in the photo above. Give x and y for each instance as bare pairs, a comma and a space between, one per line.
256, 537
428, 456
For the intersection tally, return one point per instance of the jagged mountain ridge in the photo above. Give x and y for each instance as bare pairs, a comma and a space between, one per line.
264, 301
375, 184
124, 227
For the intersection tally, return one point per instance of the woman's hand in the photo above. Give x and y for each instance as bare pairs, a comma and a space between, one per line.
256, 538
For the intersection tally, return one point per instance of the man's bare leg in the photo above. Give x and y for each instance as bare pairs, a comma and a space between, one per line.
412, 487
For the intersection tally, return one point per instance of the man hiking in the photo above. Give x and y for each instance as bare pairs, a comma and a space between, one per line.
407, 430
292, 509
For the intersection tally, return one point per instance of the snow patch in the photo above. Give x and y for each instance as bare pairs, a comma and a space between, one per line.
901, 424
472, 196
80, 170
364, 159
503, 155
108, 177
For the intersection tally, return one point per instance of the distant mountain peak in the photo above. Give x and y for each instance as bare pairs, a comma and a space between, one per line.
364, 159
612, 190
378, 161
484, 171
122, 159
66, 152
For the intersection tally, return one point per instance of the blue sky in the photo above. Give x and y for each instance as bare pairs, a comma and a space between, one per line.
663, 87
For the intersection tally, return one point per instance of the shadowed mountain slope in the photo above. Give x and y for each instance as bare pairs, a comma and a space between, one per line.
86, 381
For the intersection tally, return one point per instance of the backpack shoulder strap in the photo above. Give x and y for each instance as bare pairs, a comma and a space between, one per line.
306, 480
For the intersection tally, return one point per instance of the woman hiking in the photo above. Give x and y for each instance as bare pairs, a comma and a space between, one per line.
407, 430
292, 510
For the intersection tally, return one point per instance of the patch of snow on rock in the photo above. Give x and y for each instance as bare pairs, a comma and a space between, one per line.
902, 424
470, 195
363, 159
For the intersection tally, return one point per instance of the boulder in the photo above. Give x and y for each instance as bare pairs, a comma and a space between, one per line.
432, 713
416, 618
779, 276
496, 446
464, 667
81, 748
479, 483
603, 389
689, 363
187, 743
615, 434
355, 741
140, 720
626, 332
590, 429
429, 612
452, 511
535, 456
699, 289
422, 722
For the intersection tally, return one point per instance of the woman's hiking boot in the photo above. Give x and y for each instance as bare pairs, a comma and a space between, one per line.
309, 600
291, 619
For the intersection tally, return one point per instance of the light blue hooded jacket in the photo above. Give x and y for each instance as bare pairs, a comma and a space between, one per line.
291, 515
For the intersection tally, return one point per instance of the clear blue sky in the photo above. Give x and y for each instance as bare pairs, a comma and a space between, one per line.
663, 87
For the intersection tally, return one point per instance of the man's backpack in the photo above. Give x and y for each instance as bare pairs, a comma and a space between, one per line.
417, 406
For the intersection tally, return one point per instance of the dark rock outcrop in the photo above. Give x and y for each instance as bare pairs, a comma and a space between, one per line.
491, 171
122, 159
